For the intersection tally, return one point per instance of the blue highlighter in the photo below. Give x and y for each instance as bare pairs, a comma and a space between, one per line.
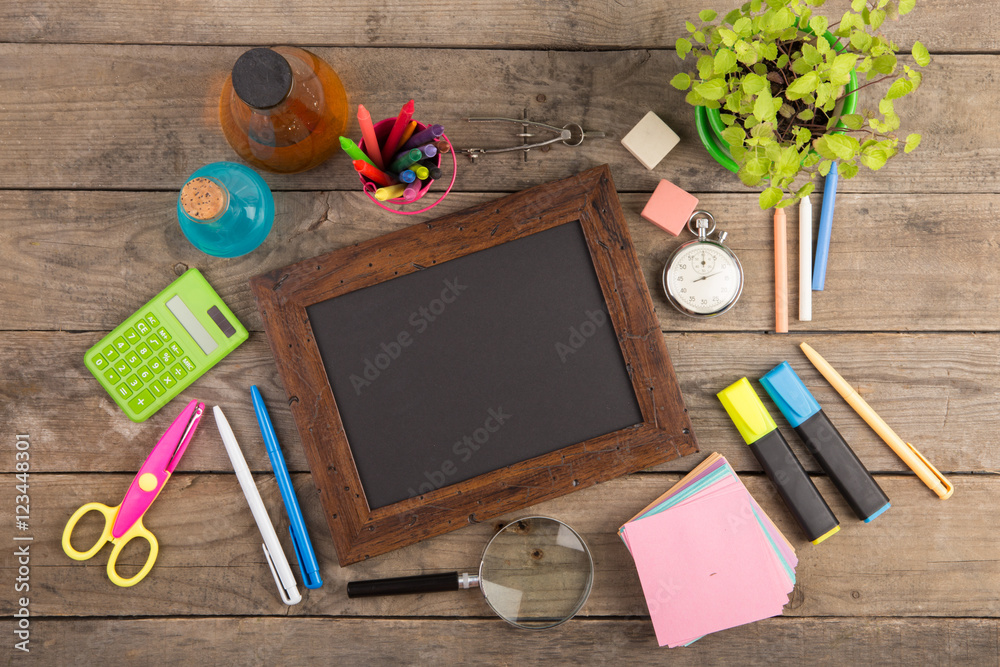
825, 443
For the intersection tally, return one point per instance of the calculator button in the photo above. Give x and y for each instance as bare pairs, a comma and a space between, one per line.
144, 374
110, 352
111, 376
155, 365
100, 363
165, 357
122, 367
151, 320
123, 391
144, 351
133, 359
142, 328
131, 336
157, 388
187, 363
168, 380
120, 344
133, 382
178, 371
176, 349
164, 334
154, 343
142, 401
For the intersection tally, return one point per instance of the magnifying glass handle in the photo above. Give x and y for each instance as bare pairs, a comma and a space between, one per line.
423, 583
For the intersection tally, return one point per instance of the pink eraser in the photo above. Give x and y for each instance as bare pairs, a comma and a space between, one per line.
670, 207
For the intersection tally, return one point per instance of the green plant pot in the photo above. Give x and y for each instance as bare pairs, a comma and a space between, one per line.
710, 126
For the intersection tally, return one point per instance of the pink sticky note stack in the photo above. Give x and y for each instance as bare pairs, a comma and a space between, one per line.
708, 557
670, 207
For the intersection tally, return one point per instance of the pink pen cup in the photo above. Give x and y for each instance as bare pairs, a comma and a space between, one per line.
382, 130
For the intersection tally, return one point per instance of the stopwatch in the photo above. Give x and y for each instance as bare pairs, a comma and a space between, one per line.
703, 278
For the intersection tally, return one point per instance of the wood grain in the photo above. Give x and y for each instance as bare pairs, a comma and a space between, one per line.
900, 642
145, 117
924, 557
478, 24
937, 391
897, 262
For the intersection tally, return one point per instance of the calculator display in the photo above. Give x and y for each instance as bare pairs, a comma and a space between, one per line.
191, 324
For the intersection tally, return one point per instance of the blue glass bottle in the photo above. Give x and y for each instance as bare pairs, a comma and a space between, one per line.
225, 209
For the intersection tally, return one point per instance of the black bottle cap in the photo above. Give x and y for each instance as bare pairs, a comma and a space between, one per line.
262, 78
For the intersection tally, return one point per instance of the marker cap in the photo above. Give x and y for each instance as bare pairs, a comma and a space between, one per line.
746, 410
790, 394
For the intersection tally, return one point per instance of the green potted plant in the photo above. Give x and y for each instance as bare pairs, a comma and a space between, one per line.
776, 91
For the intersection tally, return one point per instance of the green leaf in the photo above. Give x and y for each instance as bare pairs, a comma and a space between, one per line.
912, 141
876, 18
801, 86
763, 107
707, 15
874, 158
805, 190
920, 54
742, 27
706, 66
819, 24
753, 84
725, 62
681, 81
906, 6
898, 88
727, 118
858, 5
806, 115
732, 16
690, 26
782, 61
788, 162
861, 40
695, 100
683, 47
769, 197
840, 70
802, 136
824, 167
734, 135
885, 64
712, 89
811, 55
853, 121
837, 146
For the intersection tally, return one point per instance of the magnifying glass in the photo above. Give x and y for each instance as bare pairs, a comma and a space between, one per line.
536, 573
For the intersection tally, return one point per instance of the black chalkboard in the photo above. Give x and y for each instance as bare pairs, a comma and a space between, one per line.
474, 364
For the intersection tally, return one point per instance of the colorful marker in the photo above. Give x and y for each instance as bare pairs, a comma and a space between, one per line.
435, 171
421, 172
368, 133
429, 150
412, 190
354, 151
405, 114
373, 174
407, 176
390, 192
825, 229
759, 431
411, 127
432, 133
403, 162
825, 443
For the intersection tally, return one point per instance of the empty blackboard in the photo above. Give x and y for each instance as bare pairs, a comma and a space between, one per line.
470, 366
474, 364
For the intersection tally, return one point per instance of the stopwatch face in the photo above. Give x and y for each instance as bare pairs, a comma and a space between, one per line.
703, 279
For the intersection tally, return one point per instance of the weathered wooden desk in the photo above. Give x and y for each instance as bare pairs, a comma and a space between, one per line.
106, 106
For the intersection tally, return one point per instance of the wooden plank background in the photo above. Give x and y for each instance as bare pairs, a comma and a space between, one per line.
107, 106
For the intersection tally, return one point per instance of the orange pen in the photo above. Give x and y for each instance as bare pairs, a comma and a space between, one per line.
407, 133
780, 272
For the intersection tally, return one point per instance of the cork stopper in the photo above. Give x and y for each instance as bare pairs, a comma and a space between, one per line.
203, 199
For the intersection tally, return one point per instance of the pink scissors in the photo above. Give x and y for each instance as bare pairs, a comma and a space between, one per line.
124, 522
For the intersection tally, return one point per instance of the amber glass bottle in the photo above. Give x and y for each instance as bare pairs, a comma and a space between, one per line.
283, 109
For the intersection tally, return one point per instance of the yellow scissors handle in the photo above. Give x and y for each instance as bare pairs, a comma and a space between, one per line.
137, 530
109, 519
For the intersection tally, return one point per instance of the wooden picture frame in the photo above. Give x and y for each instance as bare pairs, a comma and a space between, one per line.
360, 532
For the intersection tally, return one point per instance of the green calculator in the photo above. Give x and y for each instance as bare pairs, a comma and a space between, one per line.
165, 346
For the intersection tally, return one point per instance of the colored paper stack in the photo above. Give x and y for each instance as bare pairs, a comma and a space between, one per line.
708, 556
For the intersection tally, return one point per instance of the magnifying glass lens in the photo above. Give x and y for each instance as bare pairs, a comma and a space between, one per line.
536, 573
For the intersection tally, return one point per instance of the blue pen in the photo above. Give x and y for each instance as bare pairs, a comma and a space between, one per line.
297, 526
825, 229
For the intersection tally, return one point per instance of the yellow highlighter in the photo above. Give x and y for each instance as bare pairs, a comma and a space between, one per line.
927, 473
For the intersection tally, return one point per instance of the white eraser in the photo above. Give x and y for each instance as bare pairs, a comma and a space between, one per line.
650, 140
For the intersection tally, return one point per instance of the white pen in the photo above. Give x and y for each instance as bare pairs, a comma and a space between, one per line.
283, 576
805, 259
